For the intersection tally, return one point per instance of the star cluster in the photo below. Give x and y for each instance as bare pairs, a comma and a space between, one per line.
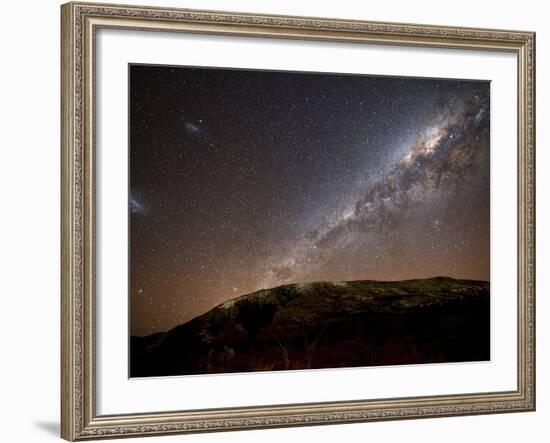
241, 180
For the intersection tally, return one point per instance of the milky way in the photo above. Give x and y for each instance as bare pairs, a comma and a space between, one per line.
242, 180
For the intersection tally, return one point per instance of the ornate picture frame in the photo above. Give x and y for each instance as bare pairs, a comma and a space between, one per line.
79, 417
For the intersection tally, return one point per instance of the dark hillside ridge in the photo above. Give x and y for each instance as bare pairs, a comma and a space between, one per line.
327, 325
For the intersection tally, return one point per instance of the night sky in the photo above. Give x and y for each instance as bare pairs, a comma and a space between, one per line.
242, 180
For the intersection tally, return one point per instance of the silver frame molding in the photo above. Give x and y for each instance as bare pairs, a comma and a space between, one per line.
79, 22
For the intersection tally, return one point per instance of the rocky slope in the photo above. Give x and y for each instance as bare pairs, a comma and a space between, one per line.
326, 325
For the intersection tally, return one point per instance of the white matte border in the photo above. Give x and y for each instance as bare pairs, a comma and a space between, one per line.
117, 394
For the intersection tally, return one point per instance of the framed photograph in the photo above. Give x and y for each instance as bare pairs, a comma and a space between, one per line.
281, 221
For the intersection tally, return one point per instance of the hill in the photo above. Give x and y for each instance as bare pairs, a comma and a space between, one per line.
326, 325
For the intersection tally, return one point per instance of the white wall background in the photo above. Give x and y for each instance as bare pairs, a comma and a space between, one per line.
29, 222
